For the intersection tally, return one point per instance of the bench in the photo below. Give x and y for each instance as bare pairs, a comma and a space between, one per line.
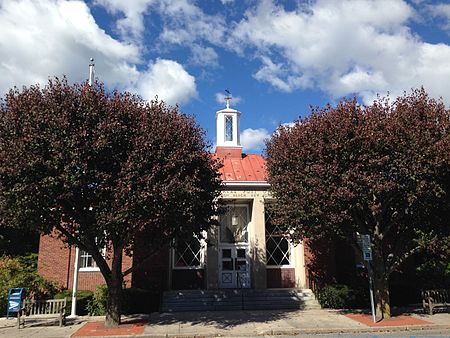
42, 309
435, 298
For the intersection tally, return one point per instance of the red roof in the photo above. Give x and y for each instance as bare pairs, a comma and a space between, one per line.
238, 167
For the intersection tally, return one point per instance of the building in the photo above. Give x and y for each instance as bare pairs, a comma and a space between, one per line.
245, 252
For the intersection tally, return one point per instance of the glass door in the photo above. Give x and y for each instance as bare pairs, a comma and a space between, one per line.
234, 269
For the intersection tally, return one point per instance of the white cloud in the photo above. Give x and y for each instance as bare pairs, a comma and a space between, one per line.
343, 47
41, 39
183, 23
441, 11
167, 79
204, 56
131, 24
186, 24
253, 139
220, 98
45, 38
288, 124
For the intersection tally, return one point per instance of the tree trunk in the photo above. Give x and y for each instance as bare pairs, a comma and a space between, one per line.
383, 306
114, 301
381, 285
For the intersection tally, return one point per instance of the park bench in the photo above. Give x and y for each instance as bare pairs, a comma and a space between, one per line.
435, 298
42, 309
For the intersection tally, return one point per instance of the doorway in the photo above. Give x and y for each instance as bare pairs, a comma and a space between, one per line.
234, 256
234, 269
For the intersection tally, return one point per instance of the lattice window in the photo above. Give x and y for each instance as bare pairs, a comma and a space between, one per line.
189, 253
229, 128
278, 248
233, 225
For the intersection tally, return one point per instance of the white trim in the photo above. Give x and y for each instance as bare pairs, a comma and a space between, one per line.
246, 183
89, 269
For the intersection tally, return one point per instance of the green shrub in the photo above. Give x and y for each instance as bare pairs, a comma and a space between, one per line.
21, 272
97, 305
83, 298
340, 296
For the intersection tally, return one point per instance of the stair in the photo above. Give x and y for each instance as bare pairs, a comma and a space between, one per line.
238, 299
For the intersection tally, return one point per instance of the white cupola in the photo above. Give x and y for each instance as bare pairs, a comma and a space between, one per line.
227, 124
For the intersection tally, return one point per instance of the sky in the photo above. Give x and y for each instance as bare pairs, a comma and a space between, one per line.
277, 58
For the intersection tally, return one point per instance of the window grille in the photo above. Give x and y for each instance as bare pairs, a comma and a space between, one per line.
278, 249
233, 225
228, 128
189, 253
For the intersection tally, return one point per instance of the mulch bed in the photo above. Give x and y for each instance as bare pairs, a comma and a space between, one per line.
95, 329
401, 320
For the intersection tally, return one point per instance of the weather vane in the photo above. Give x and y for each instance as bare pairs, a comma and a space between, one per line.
228, 98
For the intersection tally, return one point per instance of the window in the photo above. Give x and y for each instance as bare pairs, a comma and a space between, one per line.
87, 262
189, 254
233, 225
228, 128
278, 248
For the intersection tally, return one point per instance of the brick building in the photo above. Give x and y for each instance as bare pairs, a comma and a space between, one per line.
245, 252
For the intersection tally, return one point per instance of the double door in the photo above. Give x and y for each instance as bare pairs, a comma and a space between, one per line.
234, 267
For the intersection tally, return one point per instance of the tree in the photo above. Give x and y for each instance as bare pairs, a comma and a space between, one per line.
381, 170
99, 170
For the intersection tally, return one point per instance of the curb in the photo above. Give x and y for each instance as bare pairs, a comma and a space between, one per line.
292, 332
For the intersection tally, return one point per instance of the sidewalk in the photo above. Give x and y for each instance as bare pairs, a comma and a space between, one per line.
231, 324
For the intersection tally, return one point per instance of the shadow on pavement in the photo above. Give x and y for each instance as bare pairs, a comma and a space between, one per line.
220, 319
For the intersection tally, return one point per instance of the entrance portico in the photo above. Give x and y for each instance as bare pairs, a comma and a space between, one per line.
245, 251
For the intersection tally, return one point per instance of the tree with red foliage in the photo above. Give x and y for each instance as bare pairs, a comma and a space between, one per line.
99, 169
381, 170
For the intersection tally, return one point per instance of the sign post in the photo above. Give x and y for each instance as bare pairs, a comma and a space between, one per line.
366, 247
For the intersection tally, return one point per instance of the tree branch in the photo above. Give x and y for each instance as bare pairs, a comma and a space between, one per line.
400, 259
145, 259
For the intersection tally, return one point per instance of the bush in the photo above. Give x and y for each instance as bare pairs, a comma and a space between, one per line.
97, 305
340, 296
83, 298
21, 272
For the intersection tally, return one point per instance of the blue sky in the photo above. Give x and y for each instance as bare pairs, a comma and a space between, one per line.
276, 57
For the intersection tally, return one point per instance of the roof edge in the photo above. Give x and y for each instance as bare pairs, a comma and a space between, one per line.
246, 183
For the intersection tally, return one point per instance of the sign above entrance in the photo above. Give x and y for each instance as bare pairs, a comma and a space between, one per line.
245, 194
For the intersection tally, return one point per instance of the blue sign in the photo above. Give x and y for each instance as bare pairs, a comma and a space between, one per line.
15, 298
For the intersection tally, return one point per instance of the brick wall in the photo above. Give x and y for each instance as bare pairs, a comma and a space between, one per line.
56, 263
280, 277
54, 260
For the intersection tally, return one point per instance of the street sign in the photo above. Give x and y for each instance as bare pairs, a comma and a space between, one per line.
366, 247
367, 254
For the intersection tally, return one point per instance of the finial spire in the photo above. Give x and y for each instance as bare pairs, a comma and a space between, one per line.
91, 71
228, 98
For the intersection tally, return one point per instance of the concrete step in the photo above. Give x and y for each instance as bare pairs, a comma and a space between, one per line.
238, 299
